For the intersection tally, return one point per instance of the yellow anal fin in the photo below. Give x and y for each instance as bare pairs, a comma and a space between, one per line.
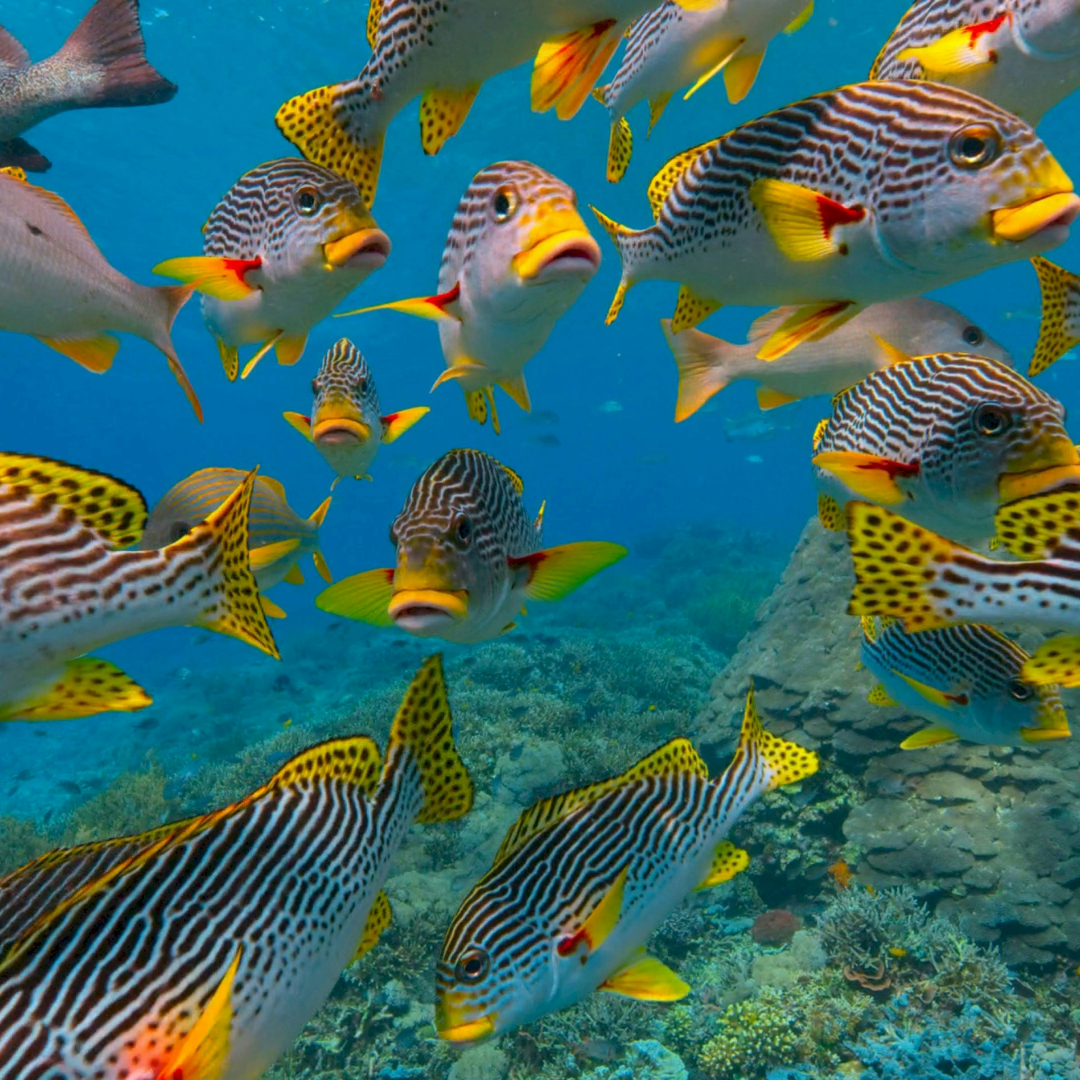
723, 51
379, 918
88, 686
767, 398
740, 74
831, 514
728, 860
364, 597
568, 67
289, 348
691, 310
809, 323
1055, 661
270, 609
804, 223
959, 52
517, 390
870, 475
1059, 329
260, 558
881, 697
442, 112
263, 349
657, 105
646, 979
295, 576
801, 19
931, 736
300, 422
94, 353
211, 275
620, 149
556, 572
230, 359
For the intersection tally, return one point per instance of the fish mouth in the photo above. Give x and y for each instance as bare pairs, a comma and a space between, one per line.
571, 252
470, 1031
340, 431
428, 609
1055, 465
365, 249
1019, 223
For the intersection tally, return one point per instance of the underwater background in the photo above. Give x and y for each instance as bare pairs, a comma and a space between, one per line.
877, 980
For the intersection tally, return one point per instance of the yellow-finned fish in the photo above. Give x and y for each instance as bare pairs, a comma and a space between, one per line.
286, 244
871, 192
102, 64
468, 557
200, 949
516, 259
868, 343
671, 47
56, 285
278, 537
66, 589
1059, 329
346, 425
443, 53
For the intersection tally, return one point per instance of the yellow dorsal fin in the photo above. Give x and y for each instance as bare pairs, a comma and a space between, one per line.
661, 184
86, 687
519, 484
830, 513
646, 979
318, 516
1055, 661
819, 432
114, 510
786, 762
869, 628
728, 860
15, 173
379, 918
676, 756
374, 15
61, 207
353, 759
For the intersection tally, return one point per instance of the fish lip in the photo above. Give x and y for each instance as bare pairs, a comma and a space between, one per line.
1013, 486
570, 252
471, 1031
1036, 216
365, 249
339, 430
424, 608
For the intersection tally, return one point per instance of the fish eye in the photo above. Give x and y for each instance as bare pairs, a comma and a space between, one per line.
974, 146
504, 204
307, 201
361, 385
973, 336
1020, 691
473, 966
992, 419
462, 530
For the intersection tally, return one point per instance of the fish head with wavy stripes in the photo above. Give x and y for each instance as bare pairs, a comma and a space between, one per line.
345, 412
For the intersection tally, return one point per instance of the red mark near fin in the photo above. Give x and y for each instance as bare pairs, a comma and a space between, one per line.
568, 945
989, 27
832, 214
240, 267
444, 300
893, 468
960, 699
531, 561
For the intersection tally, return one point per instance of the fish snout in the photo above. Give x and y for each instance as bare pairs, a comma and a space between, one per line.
557, 245
339, 423
456, 1022
1051, 203
364, 249
1050, 465
425, 611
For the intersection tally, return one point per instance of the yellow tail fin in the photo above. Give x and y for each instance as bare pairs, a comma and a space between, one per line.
1059, 330
782, 762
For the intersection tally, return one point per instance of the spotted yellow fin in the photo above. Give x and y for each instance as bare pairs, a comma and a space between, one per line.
831, 514
300, 422
442, 112
869, 475
728, 860
881, 697
395, 425
230, 359
691, 309
819, 433
114, 510
783, 762
93, 353
557, 571
379, 918
962, 51
211, 275
515, 479
1059, 329
1034, 526
480, 404
568, 67
932, 736
374, 16
352, 759
620, 149
86, 687
646, 979
364, 597
15, 172
812, 322
661, 184
1055, 661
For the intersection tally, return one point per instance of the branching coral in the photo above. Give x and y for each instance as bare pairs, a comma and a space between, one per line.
751, 1038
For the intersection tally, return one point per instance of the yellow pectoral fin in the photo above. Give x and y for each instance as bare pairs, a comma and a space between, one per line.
300, 422
517, 390
211, 275
691, 309
442, 112
261, 557
441, 306
1059, 329
740, 75
936, 697
646, 979
605, 916
290, 349
86, 687
556, 572
95, 353
230, 359
869, 475
295, 576
270, 609
801, 19
620, 149
364, 597
928, 737
802, 221
263, 349
728, 860
881, 697
321, 567
767, 398
1055, 661
955, 53
809, 323
378, 920
396, 424
568, 67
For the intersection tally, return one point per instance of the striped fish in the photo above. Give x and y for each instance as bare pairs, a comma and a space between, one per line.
671, 47
287, 243
914, 327
345, 424
443, 53
278, 537
582, 880
872, 192
66, 590
1023, 55
468, 557
516, 259
948, 437
965, 680
198, 951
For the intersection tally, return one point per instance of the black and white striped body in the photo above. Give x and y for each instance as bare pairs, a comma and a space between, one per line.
1032, 56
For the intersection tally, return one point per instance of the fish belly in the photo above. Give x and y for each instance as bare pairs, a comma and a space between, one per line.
354, 459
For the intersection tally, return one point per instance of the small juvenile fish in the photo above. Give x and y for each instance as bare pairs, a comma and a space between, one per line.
345, 424
672, 47
56, 286
582, 879
443, 53
66, 590
287, 243
872, 192
948, 437
468, 557
103, 63
199, 950
965, 680
517, 258
1059, 330
278, 537
1023, 55
915, 327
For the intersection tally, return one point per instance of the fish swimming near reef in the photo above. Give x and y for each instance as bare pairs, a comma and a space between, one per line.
1059, 327
443, 53
278, 537
582, 879
286, 244
872, 192
102, 64
517, 258
966, 680
56, 285
1023, 55
200, 949
66, 589
345, 424
944, 439
671, 47
915, 327
468, 557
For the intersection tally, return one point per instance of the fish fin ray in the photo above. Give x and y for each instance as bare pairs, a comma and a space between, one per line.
442, 112
1059, 327
87, 686
557, 571
396, 424
379, 917
728, 860
363, 597
567, 67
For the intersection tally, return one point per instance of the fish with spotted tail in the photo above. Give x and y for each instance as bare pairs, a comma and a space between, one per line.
66, 589
516, 259
286, 244
345, 424
872, 192
1059, 327
287, 887
468, 557
529, 940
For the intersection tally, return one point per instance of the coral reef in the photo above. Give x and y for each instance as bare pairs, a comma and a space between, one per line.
751, 1037
776, 926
